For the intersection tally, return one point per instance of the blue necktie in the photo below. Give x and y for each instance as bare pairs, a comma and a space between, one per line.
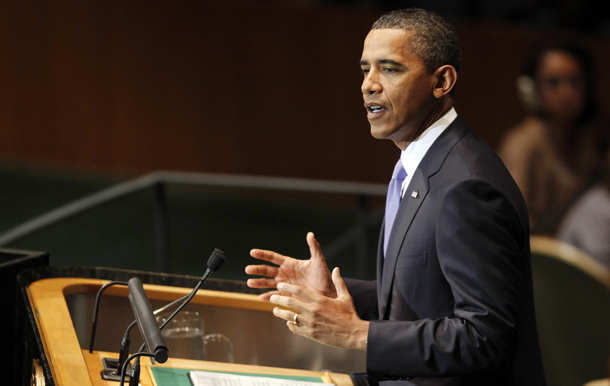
393, 201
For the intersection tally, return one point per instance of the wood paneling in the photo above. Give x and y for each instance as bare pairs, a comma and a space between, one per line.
232, 86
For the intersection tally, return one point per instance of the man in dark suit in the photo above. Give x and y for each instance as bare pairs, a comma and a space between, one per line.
453, 302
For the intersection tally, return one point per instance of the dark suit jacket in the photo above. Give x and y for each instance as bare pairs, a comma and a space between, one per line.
453, 301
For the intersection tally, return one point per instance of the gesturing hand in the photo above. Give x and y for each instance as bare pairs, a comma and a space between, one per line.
333, 322
312, 274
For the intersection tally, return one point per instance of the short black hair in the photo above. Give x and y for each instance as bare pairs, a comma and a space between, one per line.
436, 42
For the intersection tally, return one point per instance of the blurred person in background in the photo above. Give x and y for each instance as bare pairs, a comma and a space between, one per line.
587, 224
554, 153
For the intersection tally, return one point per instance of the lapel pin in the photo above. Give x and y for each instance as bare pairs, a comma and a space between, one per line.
414, 194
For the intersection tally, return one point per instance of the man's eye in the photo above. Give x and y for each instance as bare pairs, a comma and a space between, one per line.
389, 70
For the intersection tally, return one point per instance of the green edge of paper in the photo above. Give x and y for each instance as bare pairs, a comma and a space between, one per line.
179, 377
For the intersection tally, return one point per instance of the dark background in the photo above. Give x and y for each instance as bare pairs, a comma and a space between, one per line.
233, 86
97, 92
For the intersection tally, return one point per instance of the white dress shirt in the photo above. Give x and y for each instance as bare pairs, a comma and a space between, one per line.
417, 149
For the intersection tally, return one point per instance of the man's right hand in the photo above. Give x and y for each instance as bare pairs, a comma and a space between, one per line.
312, 274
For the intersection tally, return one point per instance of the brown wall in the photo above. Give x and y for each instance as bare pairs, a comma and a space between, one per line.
231, 86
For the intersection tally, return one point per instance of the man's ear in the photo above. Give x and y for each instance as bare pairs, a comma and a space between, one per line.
445, 76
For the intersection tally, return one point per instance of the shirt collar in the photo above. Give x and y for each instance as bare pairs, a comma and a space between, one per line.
417, 149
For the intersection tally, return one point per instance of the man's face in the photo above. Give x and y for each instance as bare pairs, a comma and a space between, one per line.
397, 88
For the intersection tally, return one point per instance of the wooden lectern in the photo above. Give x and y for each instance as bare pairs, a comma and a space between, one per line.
59, 307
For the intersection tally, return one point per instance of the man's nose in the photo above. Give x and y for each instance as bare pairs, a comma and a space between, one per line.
370, 84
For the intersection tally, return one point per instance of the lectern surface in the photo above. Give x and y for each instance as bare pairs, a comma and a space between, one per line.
72, 366
94, 366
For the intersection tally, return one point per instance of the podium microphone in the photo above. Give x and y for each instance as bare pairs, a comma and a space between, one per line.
113, 367
214, 262
216, 259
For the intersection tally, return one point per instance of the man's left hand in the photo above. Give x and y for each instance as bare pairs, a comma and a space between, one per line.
331, 321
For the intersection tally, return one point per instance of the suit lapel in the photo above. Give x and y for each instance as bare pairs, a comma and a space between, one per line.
381, 303
404, 217
414, 197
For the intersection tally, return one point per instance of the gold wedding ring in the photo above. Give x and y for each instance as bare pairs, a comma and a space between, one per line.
295, 320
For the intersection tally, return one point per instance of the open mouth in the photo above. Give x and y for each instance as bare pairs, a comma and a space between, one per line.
374, 110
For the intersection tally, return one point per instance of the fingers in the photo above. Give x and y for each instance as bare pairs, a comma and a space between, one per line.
289, 316
339, 283
284, 299
269, 256
262, 270
291, 291
314, 247
267, 295
262, 283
